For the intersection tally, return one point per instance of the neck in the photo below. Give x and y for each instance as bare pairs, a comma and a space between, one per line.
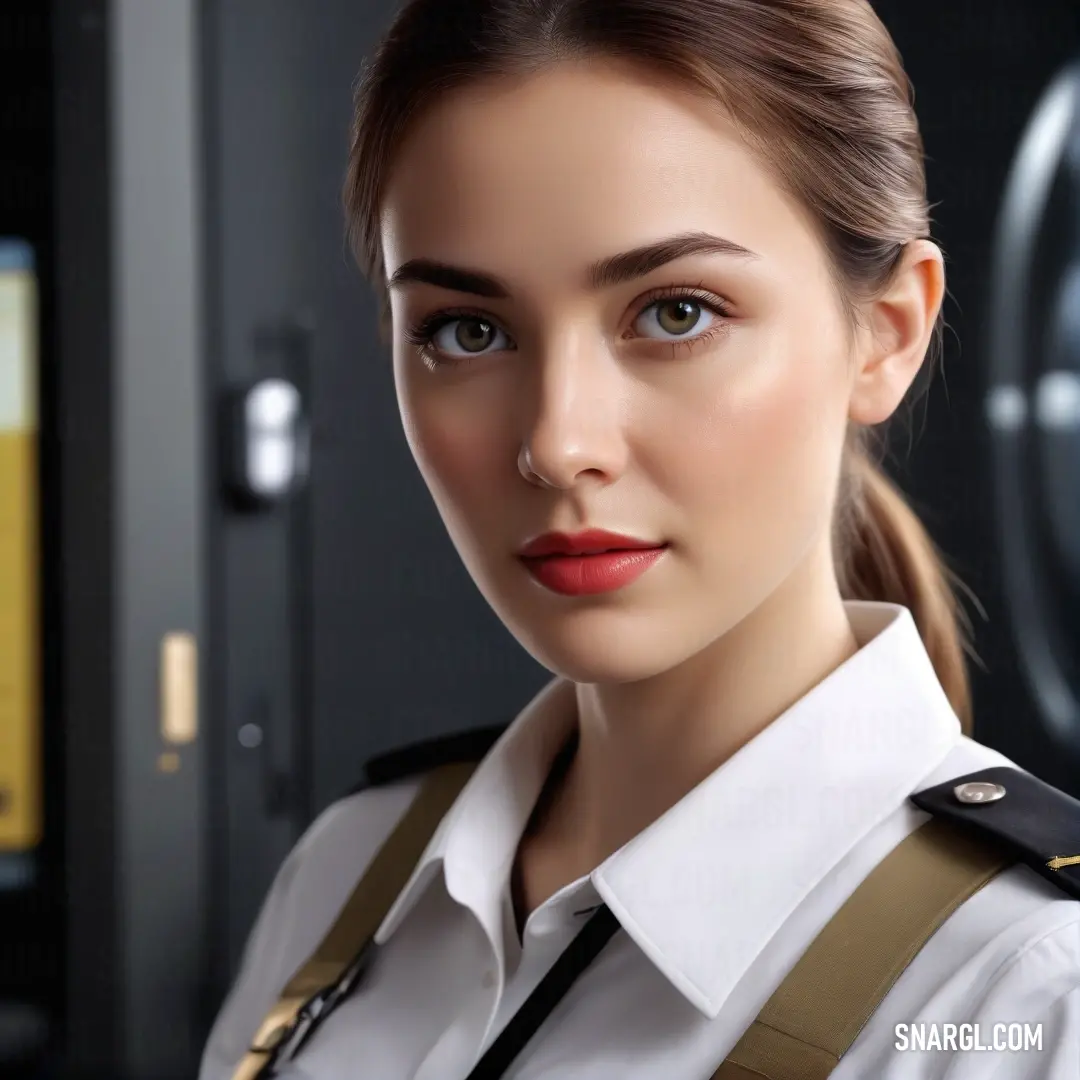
644, 745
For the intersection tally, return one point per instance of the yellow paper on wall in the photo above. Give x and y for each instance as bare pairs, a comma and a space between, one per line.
20, 728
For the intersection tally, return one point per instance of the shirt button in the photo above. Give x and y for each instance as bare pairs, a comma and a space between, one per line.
488, 981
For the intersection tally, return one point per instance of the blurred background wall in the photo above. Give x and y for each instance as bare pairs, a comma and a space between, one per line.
195, 658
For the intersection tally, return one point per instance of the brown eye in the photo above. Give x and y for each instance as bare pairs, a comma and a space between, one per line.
474, 335
468, 336
680, 316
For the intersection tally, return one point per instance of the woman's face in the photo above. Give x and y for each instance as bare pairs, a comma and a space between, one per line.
692, 394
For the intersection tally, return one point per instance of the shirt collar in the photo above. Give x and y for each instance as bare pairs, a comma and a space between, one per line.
690, 889
476, 842
700, 890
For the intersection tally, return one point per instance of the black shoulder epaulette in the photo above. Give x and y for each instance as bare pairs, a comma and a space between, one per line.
422, 757
1037, 823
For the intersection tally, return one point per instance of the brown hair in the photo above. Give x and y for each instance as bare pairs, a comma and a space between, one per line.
818, 89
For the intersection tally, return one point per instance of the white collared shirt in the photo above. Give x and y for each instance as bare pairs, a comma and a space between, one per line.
717, 900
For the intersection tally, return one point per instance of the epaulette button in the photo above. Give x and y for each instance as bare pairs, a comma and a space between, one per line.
979, 791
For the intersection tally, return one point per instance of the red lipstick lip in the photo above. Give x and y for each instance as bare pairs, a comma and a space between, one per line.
589, 563
589, 542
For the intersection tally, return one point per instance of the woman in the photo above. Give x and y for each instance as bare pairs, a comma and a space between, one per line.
653, 270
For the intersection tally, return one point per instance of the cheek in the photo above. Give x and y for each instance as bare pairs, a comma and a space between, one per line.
756, 463
462, 442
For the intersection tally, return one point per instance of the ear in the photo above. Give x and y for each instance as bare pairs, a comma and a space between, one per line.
898, 327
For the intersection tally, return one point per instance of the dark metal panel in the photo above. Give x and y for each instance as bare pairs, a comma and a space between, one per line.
83, 261
158, 448
132, 428
254, 231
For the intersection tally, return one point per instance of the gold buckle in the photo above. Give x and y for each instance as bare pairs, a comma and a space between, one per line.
277, 1025
1058, 861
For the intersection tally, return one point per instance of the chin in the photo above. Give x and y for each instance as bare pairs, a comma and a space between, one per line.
597, 645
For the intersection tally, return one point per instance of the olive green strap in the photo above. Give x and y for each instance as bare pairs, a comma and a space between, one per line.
361, 916
819, 1009
805, 1027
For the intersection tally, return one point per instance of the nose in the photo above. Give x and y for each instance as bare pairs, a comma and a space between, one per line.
576, 428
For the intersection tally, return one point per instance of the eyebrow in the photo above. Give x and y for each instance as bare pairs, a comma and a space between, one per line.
613, 270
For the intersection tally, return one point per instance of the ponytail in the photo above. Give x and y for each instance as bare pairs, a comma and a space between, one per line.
886, 554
